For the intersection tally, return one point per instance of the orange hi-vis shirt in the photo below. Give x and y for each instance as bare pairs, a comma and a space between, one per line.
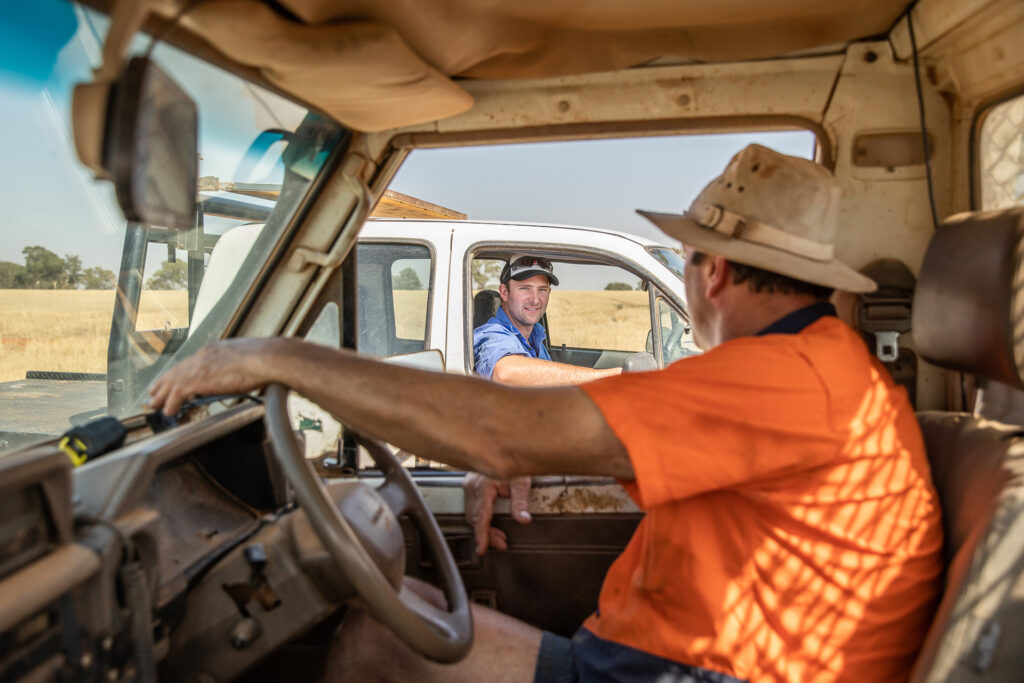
792, 530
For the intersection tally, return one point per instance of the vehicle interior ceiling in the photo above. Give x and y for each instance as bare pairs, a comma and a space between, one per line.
403, 76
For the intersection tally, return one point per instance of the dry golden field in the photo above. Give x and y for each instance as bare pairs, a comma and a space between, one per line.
410, 313
615, 320
67, 330
595, 320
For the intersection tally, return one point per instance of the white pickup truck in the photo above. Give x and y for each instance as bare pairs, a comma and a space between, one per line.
427, 284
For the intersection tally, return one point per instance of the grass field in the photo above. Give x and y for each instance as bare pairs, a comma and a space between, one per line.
67, 330
615, 320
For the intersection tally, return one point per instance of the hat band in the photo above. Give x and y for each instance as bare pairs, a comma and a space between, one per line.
714, 217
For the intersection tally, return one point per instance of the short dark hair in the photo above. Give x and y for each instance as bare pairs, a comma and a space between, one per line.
759, 280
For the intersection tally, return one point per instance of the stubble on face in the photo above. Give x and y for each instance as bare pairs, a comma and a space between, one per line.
525, 301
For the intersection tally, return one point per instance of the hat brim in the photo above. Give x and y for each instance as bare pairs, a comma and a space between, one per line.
830, 273
527, 274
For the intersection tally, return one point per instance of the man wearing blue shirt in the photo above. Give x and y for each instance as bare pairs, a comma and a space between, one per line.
509, 348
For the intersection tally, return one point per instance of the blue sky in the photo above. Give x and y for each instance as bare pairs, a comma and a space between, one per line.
596, 183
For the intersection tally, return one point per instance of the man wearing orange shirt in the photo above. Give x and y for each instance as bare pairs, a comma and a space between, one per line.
792, 531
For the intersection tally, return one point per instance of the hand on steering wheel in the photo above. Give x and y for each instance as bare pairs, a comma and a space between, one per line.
434, 633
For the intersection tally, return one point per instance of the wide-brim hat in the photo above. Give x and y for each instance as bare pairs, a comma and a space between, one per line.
771, 211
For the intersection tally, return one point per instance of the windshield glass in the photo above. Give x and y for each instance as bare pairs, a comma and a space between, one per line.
92, 307
671, 260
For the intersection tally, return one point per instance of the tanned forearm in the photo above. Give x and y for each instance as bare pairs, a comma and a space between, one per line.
466, 422
533, 372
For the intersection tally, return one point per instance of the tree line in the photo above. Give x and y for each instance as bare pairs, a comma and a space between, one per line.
44, 269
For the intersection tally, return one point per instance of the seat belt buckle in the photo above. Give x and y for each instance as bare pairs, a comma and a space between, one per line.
887, 345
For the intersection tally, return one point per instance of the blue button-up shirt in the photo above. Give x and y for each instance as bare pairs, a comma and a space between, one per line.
498, 338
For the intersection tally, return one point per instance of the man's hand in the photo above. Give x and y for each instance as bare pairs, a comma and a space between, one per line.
480, 493
235, 366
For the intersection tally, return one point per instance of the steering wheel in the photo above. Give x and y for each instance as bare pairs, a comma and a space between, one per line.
678, 330
434, 633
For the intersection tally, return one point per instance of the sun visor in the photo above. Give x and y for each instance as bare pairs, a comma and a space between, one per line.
375, 80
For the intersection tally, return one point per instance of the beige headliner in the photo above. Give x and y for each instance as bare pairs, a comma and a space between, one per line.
379, 64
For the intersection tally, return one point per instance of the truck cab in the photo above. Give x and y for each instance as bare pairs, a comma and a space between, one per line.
201, 547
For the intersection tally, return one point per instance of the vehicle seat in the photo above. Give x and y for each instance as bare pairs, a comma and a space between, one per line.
485, 305
968, 315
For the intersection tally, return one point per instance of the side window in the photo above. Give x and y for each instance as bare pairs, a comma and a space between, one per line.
598, 308
393, 300
1001, 155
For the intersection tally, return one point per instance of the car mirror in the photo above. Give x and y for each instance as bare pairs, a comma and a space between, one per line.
642, 361
141, 132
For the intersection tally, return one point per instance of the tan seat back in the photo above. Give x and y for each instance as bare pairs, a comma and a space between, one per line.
978, 469
969, 316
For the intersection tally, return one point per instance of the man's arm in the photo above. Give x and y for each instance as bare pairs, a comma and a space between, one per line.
480, 491
524, 371
466, 422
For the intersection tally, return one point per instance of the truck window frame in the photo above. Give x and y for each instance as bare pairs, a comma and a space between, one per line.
554, 251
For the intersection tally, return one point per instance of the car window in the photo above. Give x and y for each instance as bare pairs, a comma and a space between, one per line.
598, 307
92, 307
596, 316
1001, 155
394, 288
670, 258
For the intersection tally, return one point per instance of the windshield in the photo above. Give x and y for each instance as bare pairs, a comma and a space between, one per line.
670, 259
92, 307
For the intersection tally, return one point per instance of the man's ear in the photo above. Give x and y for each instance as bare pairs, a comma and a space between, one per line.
716, 275
503, 292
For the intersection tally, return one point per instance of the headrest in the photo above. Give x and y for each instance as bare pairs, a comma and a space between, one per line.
485, 305
968, 311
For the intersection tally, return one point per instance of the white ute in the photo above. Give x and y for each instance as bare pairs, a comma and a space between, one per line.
432, 305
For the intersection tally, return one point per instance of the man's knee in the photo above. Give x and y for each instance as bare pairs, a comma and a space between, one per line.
364, 649
359, 649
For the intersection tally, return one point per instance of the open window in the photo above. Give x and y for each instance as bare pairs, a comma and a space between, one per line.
601, 312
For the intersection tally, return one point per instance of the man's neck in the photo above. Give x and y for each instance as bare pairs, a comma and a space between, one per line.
754, 311
525, 330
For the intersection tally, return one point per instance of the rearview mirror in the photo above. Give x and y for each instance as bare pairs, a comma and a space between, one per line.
141, 132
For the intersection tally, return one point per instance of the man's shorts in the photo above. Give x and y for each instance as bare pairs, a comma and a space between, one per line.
589, 659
